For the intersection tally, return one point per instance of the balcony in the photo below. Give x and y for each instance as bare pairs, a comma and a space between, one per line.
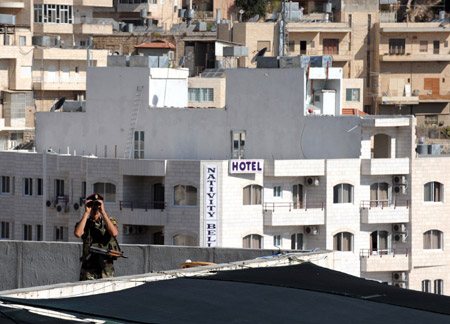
293, 214
12, 5
59, 83
93, 26
384, 166
386, 99
50, 28
148, 213
384, 260
70, 54
93, 3
294, 168
318, 27
384, 212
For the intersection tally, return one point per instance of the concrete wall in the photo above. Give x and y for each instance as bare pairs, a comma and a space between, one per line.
29, 264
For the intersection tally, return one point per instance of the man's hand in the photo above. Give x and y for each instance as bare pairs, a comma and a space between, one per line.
86, 208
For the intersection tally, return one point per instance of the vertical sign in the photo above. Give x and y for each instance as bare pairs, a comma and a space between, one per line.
210, 211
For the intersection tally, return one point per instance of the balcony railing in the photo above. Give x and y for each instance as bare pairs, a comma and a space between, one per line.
369, 204
58, 79
142, 205
367, 253
271, 206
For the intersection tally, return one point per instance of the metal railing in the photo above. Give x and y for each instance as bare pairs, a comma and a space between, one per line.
367, 253
58, 79
369, 204
294, 205
142, 205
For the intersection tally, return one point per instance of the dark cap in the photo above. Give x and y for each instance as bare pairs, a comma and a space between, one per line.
95, 196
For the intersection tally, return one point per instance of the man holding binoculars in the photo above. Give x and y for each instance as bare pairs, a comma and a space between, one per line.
97, 231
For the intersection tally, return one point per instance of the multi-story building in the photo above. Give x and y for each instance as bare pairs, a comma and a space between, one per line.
261, 172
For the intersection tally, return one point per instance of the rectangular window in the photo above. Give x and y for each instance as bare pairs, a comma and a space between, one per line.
22, 40
330, 46
277, 191
59, 233
52, 13
38, 13
396, 46
201, 94
423, 46
6, 185
59, 187
27, 232
107, 190
138, 145
39, 232
83, 189
352, 95
263, 44
436, 47
431, 119
27, 187
4, 230
39, 187
291, 46
277, 240
238, 144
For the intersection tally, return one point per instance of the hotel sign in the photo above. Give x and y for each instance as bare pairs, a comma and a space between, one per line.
210, 212
246, 166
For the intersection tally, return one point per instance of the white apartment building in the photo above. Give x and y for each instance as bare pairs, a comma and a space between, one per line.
260, 172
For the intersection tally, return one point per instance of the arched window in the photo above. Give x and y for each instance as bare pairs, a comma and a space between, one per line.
184, 195
107, 190
426, 286
297, 196
379, 194
186, 240
433, 240
343, 193
343, 241
433, 191
297, 241
381, 146
439, 286
379, 242
252, 195
252, 241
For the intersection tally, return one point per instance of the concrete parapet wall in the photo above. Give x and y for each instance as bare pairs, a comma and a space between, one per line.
30, 264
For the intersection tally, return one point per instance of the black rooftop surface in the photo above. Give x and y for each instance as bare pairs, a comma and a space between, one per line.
296, 294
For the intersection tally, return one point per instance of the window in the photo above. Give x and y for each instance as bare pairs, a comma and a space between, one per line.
201, 94
23, 40
439, 286
343, 241
379, 194
352, 95
238, 144
138, 145
59, 233
186, 240
59, 187
277, 240
343, 193
423, 46
39, 236
330, 46
263, 44
397, 46
39, 187
107, 190
83, 189
6, 186
27, 187
431, 119
297, 196
292, 46
4, 230
27, 232
426, 286
252, 241
277, 191
433, 240
432, 191
184, 195
252, 195
297, 241
379, 242
52, 13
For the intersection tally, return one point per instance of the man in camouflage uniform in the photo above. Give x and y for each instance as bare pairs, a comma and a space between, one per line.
97, 230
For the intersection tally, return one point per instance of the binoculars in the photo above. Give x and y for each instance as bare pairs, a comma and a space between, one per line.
94, 203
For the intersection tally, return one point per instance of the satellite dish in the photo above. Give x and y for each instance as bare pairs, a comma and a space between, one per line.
241, 11
259, 54
254, 19
181, 61
58, 104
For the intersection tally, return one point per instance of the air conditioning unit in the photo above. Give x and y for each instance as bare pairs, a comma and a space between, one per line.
312, 181
129, 229
400, 180
400, 237
59, 208
399, 228
401, 189
399, 284
312, 230
399, 276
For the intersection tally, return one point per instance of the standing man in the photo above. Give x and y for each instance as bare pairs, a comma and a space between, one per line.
96, 230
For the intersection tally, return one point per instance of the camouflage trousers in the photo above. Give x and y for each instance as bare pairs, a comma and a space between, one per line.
92, 274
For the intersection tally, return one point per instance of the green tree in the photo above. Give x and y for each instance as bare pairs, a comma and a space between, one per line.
252, 8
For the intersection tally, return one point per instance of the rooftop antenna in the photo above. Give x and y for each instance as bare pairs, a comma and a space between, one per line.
259, 54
